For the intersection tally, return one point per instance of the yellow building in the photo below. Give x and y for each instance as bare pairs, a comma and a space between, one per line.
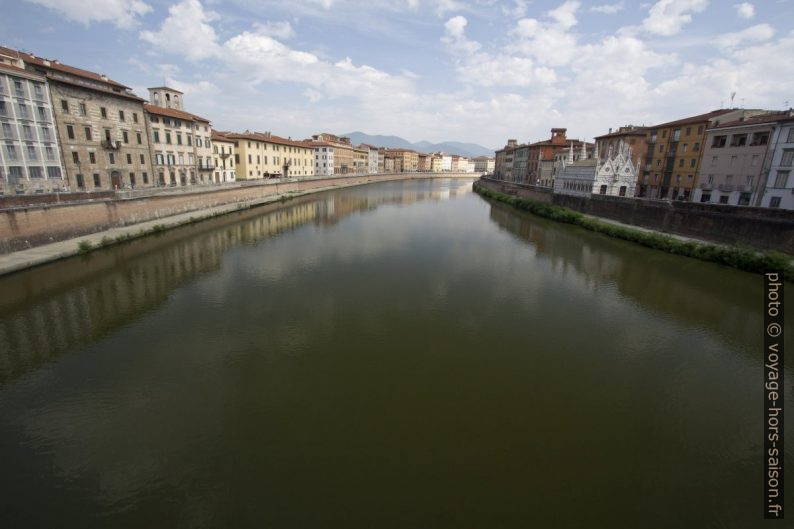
406, 160
264, 155
436, 164
360, 160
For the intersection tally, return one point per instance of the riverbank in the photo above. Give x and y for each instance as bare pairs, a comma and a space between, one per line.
264, 194
742, 258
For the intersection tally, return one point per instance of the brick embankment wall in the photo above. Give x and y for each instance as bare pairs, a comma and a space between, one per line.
27, 226
762, 228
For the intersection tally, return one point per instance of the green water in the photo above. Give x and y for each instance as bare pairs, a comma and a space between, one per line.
401, 355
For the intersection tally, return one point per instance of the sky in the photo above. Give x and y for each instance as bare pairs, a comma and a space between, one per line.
438, 70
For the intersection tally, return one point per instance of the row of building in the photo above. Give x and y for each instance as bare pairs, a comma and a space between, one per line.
64, 128
733, 156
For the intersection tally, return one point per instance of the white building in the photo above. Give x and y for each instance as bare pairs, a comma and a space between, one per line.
372, 161
324, 158
223, 158
446, 162
615, 175
30, 159
779, 190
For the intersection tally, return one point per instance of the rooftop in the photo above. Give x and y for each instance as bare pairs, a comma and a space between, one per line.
770, 117
172, 113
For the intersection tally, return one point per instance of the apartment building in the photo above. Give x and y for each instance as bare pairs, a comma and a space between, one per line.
181, 141
264, 155
323, 158
30, 157
777, 186
223, 158
674, 152
101, 126
483, 164
360, 160
343, 152
436, 163
405, 160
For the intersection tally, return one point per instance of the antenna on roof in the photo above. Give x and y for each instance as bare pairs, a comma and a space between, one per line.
733, 95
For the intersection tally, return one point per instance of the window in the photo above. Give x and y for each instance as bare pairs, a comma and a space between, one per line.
92, 156
107, 134
87, 131
158, 159
154, 119
724, 199
681, 162
12, 151
82, 109
198, 142
27, 132
774, 202
189, 140
3, 109
50, 152
70, 132
64, 106
75, 157
790, 138
129, 158
676, 134
35, 172
688, 131
664, 133
705, 197
121, 115
53, 172
744, 199
692, 163
622, 191
700, 130
23, 111
111, 158
125, 136
685, 148
719, 141
143, 159
178, 138
138, 137
661, 148
738, 140
104, 112
696, 147
788, 157
157, 136
145, 177
80, 181
760, 138
132, 179
135, 117
781, 179
168, 138
97, 182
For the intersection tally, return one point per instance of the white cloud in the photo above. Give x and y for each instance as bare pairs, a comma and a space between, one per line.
280, 30
455, 35
550, 41
608, 9
186, 31
667, 17
121, 13
519, 8
757, 33
745, 10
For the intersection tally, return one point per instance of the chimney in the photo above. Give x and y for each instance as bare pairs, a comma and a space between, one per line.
610, 130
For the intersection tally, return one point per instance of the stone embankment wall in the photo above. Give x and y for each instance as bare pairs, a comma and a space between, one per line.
762, 228
29, 225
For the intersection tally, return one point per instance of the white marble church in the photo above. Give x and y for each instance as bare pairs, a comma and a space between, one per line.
615, 175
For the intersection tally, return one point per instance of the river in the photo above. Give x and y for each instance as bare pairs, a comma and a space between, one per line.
402, 354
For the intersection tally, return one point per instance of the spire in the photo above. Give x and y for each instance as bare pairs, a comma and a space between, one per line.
570, 154
595, 152
583, 156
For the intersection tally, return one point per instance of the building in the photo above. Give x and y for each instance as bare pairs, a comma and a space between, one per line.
360, 160
181, 142
633, 136
223, 158
503, 161
436, 163
777, 187
30, 157
101, 126
614, 175
674, 152
373, 158
522, 162
264, 155
343, 152
446, 162
483, 164
423, 162
405, 160
323, 158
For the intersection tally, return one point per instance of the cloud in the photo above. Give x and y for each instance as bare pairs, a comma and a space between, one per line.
549, 41
608, 9
668, 17
757, 33
280, 30
123, 14
186, 31
745, 10
455, 35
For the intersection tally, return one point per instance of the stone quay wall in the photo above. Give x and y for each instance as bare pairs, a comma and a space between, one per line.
761, 228
29, 225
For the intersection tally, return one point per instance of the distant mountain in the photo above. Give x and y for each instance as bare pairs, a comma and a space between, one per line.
451, 147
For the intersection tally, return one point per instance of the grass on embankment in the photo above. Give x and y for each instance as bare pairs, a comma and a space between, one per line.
742, 258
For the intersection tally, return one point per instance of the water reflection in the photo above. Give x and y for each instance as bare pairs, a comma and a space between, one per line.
57, 307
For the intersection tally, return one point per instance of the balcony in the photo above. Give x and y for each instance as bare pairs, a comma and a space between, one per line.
744, 188
206, 167
727, 188
111, 145
706, 186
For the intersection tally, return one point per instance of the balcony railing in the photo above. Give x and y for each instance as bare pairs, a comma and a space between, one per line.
206, 167
726, 188
112, 145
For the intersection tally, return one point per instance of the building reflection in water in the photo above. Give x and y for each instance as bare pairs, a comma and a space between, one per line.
52, 309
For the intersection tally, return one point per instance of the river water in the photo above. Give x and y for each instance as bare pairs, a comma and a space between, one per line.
404, 354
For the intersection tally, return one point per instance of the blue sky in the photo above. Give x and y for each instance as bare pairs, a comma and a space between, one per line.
478, 71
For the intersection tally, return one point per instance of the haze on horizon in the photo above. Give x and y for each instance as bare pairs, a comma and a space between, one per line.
442, 70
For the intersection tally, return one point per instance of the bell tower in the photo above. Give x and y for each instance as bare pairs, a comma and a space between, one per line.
163, 96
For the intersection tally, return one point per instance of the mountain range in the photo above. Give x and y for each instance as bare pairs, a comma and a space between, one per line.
449, 147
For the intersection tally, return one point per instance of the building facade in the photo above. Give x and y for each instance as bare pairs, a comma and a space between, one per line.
323, 158
223, 158
483, 164
343, 152
30, 156
260, 155
777, 189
